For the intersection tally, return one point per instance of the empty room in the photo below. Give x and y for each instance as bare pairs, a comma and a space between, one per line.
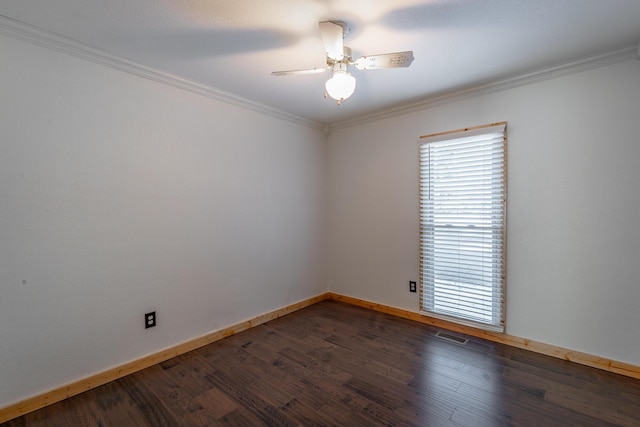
360, 212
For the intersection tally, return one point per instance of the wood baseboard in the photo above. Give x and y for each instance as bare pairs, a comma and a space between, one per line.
56, 395
40, 401
605, 364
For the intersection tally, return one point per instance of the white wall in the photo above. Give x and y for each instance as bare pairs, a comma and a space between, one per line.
119, 196
573, 230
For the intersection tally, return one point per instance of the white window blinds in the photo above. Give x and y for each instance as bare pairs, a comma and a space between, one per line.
462, 225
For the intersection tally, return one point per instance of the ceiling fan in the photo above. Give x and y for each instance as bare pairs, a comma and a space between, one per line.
342, 84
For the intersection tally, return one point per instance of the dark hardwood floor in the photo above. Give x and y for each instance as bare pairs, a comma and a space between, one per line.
336, 364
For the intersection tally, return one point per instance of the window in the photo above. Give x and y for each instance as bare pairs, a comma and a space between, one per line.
462, 225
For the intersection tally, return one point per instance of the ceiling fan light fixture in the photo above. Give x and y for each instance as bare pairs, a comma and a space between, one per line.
341, 85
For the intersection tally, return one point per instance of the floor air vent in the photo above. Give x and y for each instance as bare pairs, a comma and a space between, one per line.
451, 338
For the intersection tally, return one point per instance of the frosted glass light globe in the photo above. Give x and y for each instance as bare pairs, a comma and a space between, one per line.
341, 85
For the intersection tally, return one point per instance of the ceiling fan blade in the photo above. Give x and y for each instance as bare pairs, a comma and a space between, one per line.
332, 35
385, 60
300, 72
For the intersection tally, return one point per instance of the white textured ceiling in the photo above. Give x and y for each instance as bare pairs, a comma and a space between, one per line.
233, 45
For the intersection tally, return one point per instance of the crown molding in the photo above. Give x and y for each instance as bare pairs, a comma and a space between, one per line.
627, 53
37, 36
